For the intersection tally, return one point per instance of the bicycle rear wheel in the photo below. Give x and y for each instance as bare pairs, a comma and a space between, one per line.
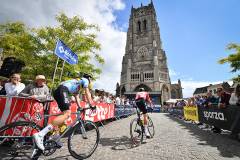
151, 127
136, 131
17, 138
83, 140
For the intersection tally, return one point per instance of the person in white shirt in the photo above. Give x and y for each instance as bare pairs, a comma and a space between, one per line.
118, 101
14, 87
235, 96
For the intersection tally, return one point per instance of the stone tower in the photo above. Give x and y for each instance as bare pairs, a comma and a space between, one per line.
145, 63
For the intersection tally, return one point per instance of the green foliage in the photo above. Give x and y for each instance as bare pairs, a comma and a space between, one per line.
233, 59
35, 46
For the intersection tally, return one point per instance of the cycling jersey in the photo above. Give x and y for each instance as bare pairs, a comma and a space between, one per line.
74, 85
61, 94
143, 95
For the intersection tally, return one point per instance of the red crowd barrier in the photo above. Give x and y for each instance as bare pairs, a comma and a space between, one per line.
21, 109
103, 111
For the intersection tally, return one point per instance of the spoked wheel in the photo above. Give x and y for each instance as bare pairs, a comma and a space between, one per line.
136, 131
17, 138
151, 127
83, 140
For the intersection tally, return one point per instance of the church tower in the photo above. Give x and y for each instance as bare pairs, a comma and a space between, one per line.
144, 64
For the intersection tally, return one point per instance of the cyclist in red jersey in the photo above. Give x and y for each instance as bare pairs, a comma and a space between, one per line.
141, 98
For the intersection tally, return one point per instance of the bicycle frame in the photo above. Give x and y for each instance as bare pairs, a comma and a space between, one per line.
78, 120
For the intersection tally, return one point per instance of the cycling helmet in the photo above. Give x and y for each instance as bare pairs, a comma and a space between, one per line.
87, 75
141, 89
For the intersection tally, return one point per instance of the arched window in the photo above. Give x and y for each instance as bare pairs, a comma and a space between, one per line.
139, 26
145, 24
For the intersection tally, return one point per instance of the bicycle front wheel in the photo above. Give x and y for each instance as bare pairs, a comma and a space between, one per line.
136, 131
83, 140
151, 127
17, 138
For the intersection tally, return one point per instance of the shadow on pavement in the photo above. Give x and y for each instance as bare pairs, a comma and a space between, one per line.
227, 147
117, 143
66, 157
8, 154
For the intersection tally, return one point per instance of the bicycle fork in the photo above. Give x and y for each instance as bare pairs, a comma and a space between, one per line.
83, 130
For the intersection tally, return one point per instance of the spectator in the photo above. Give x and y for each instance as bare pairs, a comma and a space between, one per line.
223, 98
14, 87
118, 101
235, 97
235, 100
2, 87
210, 100
122, 100
222, 103
96, 97
38, 90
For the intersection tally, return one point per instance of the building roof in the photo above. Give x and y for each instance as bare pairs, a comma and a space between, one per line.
175, 86
201, 90
225, 85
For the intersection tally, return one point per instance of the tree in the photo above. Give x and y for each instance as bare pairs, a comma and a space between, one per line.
77, 35
35, 46
233, 59
18, 41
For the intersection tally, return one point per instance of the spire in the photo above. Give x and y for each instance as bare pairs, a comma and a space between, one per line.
132, 10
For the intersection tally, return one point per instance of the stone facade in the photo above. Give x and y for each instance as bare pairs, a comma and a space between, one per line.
145, 63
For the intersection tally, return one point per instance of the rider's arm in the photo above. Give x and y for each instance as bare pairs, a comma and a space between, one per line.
88, 96
77, 99
85, 84
137, 96
149, 99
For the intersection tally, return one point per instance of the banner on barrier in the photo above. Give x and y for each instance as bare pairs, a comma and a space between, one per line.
176, 111
20, 109
225, 118
191, 113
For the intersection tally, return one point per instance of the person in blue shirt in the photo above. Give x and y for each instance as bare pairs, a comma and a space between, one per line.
61, 95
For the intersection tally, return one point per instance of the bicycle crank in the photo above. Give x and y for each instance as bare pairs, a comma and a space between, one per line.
50, 147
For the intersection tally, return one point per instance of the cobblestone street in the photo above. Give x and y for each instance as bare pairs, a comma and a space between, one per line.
174, 139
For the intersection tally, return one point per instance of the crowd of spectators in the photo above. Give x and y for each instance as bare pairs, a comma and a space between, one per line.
39, 90
14, 87
222, 100
105, 97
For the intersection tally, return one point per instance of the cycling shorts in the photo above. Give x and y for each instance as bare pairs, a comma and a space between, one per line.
141, 104
61, 95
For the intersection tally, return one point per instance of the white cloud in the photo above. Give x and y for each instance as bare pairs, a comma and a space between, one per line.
173, 73
112, 39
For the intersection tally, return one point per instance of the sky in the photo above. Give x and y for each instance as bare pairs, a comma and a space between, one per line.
194, 33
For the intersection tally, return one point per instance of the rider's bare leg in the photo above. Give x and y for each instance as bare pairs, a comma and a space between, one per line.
59, 120
145, 119
145, 122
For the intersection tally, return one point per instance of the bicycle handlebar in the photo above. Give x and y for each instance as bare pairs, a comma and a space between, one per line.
83, 109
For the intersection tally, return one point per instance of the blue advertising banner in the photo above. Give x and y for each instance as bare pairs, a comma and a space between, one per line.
65, 53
